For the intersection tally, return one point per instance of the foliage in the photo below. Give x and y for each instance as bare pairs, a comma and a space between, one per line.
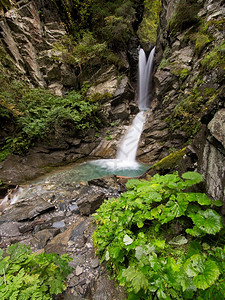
214, 58
109, 21
147, 31
157, 239
79, 53
37, 112
185, 16
25, 275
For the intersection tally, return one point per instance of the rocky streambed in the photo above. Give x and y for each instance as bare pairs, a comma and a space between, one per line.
56, 216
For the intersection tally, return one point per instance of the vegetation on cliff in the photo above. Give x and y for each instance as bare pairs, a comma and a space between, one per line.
110, 22
147, 31
35, 113
197, 95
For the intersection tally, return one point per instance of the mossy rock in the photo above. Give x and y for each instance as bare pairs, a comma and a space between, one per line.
170, 162
185, 16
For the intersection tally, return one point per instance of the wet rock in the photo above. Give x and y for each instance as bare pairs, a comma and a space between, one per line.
77, 260
59, 243
217, 126
79, 270
41, 238
106, 289
95, 263
9, 229
106, 83
26, 209
89, 200
77, 235
120, 112
105, 182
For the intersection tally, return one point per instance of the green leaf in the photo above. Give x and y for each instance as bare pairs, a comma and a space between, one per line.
217, 203
204, 272
127, 240
173, 209
193, 176
131, 183
139, 252
208, 221
201, 198
178, 240
160, 244
137, 278
195, 231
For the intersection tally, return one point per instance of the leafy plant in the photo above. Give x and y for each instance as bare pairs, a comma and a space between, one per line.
36, 112
25, 275
157, 239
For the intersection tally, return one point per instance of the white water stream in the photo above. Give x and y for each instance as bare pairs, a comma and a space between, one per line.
128, 148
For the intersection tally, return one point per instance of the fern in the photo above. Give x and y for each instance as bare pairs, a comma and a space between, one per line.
25, 275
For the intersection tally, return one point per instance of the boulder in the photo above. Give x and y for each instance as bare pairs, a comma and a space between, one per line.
26, 210
90, 199
217, 126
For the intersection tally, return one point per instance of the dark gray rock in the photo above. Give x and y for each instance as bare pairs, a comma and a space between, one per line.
26, 209
89, 200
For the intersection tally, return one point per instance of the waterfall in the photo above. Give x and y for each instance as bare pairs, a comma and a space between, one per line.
128, 148
144, 79
129, 145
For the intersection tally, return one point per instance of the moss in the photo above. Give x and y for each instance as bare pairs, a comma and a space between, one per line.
185, 16
182, 73
170, 161
214, 58
219, 24
100, 98
187, 114
147, 31
166, 59
200, 40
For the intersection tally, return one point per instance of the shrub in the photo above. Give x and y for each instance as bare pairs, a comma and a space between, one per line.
158, 240
37, 112
25, 275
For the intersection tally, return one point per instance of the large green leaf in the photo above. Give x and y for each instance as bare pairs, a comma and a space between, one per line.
193, 176
173, 209
136, 278
201, 198
204, 272
208, 221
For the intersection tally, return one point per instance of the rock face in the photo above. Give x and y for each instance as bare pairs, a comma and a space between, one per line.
213, 157
189, 93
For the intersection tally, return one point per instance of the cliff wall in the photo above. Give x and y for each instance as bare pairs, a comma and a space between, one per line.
188, 108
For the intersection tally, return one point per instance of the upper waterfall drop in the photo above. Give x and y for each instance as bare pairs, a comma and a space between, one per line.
128, 148
144, 79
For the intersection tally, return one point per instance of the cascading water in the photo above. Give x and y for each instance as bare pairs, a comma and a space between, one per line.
129, 145
144, 79
125, 162
128, 149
